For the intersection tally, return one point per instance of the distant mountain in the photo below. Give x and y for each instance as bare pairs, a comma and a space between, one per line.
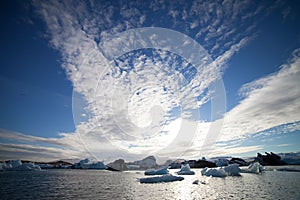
291, 158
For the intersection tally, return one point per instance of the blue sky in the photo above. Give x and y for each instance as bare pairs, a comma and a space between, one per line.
63, 97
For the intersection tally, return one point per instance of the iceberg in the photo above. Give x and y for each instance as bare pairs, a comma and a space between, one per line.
27, 167
146, 163
14, 163
160, 179
117, 165
88, 164
222, 162
255, 168
232, 170
214, 172
160, 171
185, 170
17, 165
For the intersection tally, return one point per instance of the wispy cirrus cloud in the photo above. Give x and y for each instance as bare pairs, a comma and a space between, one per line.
124, 97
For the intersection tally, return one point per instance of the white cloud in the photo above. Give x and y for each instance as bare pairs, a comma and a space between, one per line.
268, 102
283, 145
119, 100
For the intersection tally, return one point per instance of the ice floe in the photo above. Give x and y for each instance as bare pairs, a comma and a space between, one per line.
160, 171
160, 179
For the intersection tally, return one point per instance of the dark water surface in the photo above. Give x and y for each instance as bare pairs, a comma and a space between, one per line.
98, 184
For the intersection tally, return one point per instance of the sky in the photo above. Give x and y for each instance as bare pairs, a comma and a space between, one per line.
128, 79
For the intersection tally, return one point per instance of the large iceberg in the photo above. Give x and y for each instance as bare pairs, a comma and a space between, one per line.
17, 165
160, 179
230, 170
160, 171
117, 165
255, 168
214, 172
146, 163
88, 164
185, 170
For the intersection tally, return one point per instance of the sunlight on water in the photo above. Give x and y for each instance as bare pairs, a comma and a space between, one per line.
97, 184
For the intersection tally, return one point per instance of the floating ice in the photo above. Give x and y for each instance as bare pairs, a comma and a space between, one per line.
160, 179
185, 170
17, 165
222, 162
255, 168
160, 171
214, 172
88, 164
232, 170
14, 163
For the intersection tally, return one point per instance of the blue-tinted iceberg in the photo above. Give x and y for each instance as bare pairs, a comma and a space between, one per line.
214, 172
17, 165
222, 162
160, 179
232, 170
185, 170
88, 164
160, 171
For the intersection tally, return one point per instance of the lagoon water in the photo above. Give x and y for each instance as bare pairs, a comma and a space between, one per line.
102, 184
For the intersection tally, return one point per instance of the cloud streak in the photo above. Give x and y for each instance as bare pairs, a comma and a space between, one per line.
268, 102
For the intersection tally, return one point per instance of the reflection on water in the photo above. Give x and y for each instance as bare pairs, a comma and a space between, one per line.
95, 184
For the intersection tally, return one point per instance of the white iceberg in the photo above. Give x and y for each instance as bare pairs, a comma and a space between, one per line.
185, 170
27, 167
232, 170
255, 168
88, 164
4, 166
17, 165
160, 179
160, 171
214, 172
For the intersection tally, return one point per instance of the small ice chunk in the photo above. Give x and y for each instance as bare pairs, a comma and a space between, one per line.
160, 179
185, 170
160, 171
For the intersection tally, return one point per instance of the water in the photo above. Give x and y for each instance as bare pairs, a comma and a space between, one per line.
97, 184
